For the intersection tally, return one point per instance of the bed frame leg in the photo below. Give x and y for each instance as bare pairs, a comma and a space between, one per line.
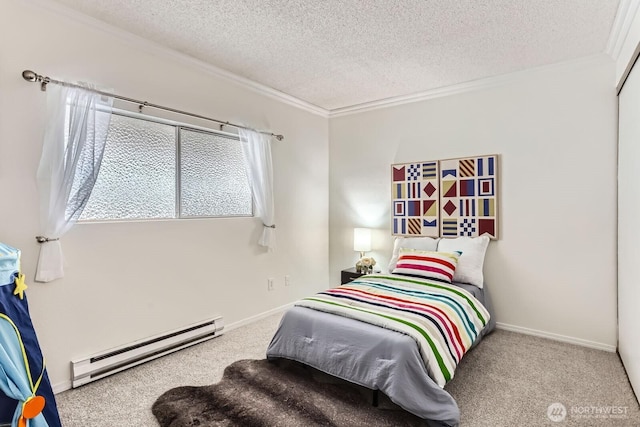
375, 398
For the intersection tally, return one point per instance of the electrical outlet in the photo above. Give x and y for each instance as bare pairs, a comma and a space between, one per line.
287, 280
270, 285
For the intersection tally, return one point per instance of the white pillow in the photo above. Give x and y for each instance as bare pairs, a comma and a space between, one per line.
420, 243
469, 269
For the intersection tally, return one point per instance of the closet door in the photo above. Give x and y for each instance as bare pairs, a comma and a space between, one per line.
629, 227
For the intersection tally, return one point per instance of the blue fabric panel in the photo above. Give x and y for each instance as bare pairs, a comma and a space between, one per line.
18, 311
7, 408
9, 263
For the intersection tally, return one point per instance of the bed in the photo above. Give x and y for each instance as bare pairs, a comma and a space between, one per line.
377, 355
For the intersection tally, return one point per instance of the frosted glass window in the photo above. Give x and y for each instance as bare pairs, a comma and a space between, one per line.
213, 179
137, 178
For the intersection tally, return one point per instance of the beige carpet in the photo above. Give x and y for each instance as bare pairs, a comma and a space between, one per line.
508, 380
511, 379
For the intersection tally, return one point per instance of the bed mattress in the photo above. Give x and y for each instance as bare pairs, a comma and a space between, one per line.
371, 356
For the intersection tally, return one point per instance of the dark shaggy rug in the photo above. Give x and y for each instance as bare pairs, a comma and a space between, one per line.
279, 393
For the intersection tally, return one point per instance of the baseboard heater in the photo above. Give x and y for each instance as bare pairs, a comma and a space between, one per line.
109, 362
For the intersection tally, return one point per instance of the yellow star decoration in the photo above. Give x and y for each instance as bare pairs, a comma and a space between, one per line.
20, 286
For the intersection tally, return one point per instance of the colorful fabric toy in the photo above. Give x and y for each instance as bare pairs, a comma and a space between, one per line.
26, 397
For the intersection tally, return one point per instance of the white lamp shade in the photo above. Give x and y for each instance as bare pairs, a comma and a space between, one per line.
362, 239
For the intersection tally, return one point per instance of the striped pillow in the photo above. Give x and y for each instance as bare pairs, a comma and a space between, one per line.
432, 265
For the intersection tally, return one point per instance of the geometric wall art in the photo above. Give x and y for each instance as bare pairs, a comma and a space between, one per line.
415, 199
468, 197
446, 198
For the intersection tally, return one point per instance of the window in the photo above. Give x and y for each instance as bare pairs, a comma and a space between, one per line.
155, 169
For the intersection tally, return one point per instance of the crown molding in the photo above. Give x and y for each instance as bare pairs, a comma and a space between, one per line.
163, 51
620, 29
469, 86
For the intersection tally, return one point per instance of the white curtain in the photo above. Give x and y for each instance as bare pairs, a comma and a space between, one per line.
256, 148
74, 140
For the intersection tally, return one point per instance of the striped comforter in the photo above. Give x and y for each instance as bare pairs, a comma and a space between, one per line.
444, 319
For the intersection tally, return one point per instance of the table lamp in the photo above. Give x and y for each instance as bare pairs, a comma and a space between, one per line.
362, 244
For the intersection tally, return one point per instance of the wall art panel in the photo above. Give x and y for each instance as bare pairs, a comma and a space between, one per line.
446, 198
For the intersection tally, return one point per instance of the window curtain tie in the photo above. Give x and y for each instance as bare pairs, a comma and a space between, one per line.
43, 239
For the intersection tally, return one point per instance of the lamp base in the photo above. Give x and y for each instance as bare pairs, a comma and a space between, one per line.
365, 265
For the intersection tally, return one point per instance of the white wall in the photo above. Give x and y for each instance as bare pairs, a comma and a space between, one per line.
126, 281
553, 270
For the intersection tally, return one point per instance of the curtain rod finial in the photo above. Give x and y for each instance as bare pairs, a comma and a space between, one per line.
29, 76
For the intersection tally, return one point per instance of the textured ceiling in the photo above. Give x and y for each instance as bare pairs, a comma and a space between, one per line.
340, 53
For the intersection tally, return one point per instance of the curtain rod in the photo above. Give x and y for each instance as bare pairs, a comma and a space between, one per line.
33, 77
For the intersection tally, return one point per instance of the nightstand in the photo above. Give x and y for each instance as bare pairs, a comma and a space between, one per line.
349, 274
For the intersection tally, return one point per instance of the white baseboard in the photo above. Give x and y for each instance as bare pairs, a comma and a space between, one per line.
234, 325
557, 337
61, 386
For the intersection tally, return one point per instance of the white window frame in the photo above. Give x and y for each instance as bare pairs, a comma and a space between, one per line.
178, 181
